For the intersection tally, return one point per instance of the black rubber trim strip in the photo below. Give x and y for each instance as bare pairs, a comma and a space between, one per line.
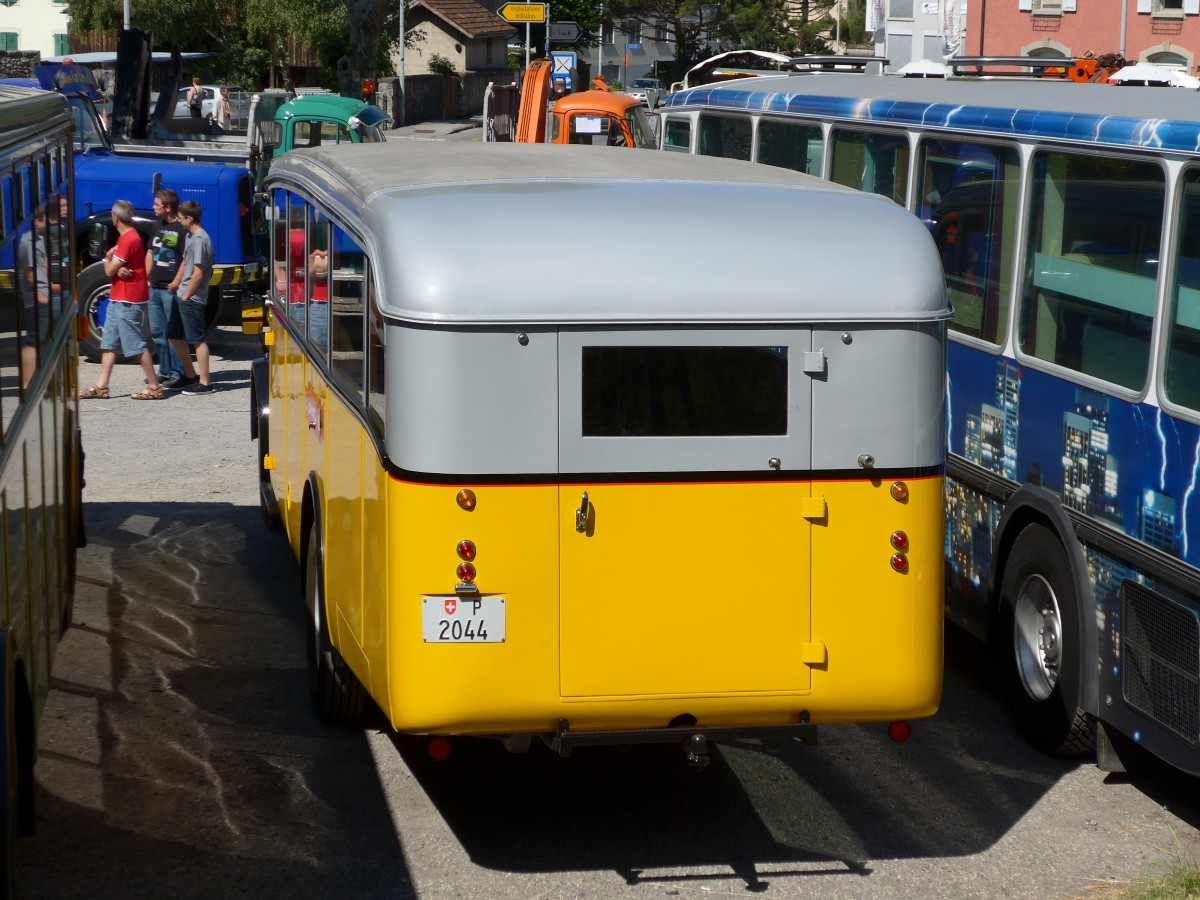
1155, 563
785, 476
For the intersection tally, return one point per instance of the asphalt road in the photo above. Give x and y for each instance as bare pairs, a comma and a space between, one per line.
179, 756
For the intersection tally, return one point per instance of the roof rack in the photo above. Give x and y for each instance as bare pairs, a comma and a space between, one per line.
800, 65
1000, 66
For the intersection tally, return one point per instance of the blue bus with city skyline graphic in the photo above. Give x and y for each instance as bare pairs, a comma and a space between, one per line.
1067, 217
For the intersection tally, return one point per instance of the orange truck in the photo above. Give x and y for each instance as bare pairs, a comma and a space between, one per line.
599, 117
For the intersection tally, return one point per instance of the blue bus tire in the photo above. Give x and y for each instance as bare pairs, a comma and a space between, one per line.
1040, 647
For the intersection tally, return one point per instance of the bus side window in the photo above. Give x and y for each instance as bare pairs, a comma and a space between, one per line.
376, 364
968, 197
317, 265
872, 162
1090, 281
1181, 381
725, 136
677, 135
790, 146
346, 318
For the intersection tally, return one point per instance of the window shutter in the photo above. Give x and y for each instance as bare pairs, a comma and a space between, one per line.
1191, 7
1024, 5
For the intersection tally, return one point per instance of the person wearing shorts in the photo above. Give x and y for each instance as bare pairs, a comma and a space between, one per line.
187, 325
125, 264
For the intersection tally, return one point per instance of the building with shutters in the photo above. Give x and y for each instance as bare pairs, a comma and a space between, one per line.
1166, 32
39, 25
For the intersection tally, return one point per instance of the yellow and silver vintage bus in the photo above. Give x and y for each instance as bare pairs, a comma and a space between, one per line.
539, 487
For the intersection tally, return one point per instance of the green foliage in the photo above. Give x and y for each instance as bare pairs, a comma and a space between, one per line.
755, 25
251, 36
439, 65
854, 24
812, 25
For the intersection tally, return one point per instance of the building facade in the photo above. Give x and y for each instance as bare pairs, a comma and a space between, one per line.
34, 25
1166, 32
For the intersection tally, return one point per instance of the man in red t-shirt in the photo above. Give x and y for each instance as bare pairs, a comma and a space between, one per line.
125, 264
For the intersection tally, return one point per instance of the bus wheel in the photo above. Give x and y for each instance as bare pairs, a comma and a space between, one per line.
93, 286
337, 694
1040, 645
271, 517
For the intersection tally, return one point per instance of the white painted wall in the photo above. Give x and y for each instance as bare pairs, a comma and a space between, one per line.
35, 22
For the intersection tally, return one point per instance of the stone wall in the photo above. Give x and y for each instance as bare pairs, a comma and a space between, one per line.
18, 63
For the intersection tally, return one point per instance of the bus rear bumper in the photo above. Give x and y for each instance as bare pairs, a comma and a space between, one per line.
565, 740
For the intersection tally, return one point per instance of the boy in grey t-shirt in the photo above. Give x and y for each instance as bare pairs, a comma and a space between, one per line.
187, 325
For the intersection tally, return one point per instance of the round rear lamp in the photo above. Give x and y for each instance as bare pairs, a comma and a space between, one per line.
466, 572
900, 562
900, 731
466, 550
466, 499
899, 491
899, 542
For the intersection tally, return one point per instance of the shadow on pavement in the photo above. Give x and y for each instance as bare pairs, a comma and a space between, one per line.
179, 754
760, 810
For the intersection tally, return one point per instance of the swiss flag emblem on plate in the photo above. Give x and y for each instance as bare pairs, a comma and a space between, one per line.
451, 606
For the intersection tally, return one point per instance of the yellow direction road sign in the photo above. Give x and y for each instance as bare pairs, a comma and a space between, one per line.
523, 12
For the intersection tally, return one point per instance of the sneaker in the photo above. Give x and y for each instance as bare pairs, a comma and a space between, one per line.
166, 380
198, 388
183, 382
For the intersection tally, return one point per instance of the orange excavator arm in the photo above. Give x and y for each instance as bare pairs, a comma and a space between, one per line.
535, 91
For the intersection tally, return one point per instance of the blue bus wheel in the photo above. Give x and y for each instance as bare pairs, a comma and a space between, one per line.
1040, 645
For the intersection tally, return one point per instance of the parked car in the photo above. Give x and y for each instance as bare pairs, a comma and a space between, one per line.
239, 101
638, 89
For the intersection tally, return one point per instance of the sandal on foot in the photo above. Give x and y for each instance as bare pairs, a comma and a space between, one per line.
95, 392
148, 394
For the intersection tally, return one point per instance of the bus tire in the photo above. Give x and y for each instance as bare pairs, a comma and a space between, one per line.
1040, 645
336, 692
260, 425
93, 286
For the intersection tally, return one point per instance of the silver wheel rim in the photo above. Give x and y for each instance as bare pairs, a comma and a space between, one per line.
1037, 637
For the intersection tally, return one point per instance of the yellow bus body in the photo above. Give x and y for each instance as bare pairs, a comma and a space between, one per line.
750, 579
868, 649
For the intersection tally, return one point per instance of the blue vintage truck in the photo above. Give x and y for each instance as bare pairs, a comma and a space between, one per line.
220, 172
225, 191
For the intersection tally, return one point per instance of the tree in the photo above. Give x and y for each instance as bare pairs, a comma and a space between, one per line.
854, 24
813, 25
755, 25
251, 36
686, 23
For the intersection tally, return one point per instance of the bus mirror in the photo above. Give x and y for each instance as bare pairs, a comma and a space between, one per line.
98, 240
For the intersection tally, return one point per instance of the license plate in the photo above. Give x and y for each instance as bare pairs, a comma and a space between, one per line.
462, 620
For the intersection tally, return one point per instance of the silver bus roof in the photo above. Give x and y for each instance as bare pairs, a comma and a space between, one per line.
548, 235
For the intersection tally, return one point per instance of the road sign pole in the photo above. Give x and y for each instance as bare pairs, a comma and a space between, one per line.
546, 22
526, 46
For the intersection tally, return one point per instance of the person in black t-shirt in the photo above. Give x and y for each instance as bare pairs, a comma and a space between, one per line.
163, 258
